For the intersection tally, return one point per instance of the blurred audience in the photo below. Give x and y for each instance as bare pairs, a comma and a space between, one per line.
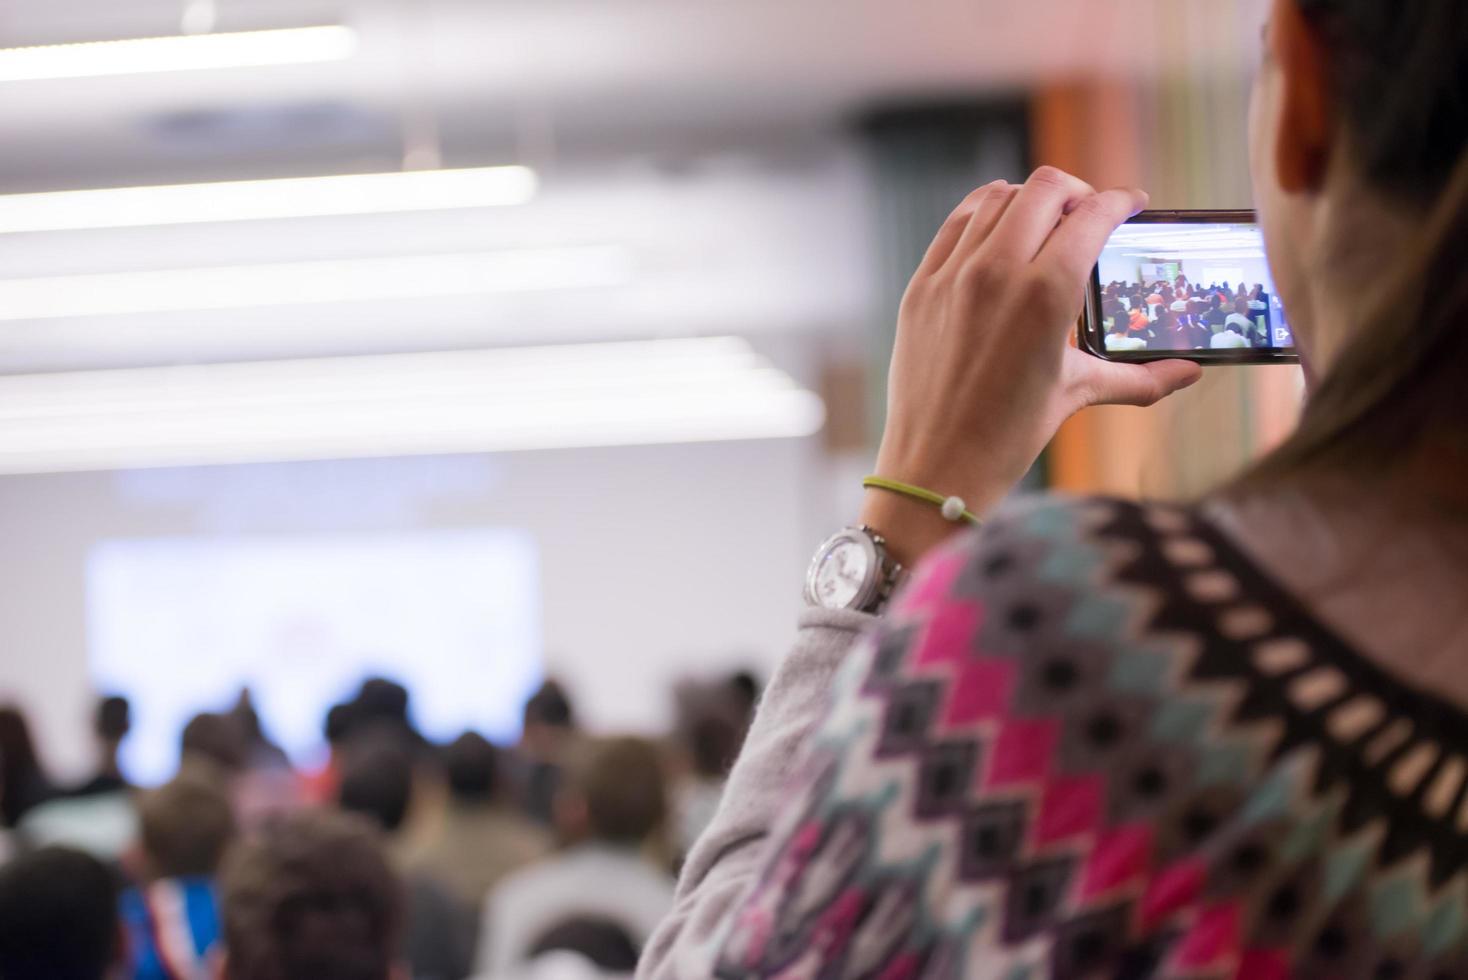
585, 948
743, 688
260, 752
321, 786
612, 804
385, 704
312, 896
481, 836
223, 742
25, 782
711, 743
344, 892
377, 783
98, 816
1180, 315
215, 740
549, 730
110, 726
58, 918
171, 917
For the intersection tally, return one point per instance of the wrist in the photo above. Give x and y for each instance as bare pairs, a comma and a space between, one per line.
911, 528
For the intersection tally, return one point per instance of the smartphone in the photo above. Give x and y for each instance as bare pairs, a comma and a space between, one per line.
1193, 285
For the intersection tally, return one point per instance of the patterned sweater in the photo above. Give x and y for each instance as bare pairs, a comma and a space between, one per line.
1092, 740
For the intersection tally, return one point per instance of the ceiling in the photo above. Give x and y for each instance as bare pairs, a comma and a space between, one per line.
706, 137
561, 79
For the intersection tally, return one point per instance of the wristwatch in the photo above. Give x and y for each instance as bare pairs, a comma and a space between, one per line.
852, 570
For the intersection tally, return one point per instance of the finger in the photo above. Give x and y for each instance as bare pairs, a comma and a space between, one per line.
985, 219
1142, 385
952, 231
1076, 245
1044, 199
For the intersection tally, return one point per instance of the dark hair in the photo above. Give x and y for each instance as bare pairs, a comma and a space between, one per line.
185, 825
746, 687
620, 780
340, 720
22, 783
58, 917
1399, 72
216, 739
377, 778
311, 897
113, 719
472, 762
601, 942
382, 700
713, 744
550, 706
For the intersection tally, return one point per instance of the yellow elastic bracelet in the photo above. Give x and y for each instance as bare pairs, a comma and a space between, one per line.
952, 508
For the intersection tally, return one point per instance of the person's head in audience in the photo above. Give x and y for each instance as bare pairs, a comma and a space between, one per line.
58, 918
615, 793
383, 704
216, 740
382, 700
311, 896
548, 719
473, 766
260, 751
377, 779
23, 783
713, 744
744, 689
185, 825
1241, 306
111, 723
337, 728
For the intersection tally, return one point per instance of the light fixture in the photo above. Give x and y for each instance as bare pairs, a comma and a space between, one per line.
250, 200
185, 52
614, 394
333, 281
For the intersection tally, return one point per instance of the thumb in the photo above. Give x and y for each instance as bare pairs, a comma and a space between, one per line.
1143, 385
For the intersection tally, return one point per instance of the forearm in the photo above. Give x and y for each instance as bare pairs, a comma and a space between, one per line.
729, 856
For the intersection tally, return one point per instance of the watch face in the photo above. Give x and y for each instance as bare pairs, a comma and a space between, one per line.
841, 574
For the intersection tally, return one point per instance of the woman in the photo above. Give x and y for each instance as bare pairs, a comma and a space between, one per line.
1098, 739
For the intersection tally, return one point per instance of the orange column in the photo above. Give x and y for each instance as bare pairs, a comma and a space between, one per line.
1093, 130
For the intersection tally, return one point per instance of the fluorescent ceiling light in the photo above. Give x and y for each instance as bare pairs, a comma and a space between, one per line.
253, 200
185, 52
637, 393
297, 283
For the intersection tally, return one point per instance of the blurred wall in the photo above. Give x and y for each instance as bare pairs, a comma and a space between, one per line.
1182, 136
657, 562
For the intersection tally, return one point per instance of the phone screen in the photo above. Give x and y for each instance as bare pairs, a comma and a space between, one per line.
1176, 287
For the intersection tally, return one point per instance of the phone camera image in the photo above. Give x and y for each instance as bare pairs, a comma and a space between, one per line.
1198, 288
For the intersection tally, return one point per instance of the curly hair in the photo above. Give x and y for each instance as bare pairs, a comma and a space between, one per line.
311, 897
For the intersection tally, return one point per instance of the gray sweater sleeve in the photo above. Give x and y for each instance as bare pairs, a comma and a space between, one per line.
725, 862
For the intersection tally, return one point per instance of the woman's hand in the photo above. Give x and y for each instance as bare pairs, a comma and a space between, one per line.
984, 373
